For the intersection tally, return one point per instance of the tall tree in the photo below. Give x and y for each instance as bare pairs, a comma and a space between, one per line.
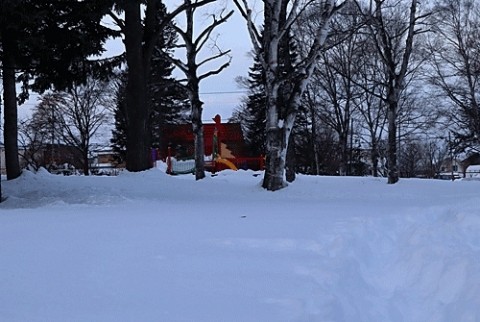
141, 31
167, 99
119, 132
169, 102
370, 105
454, 52
251, 114
193, 44
279, 16
394, 30
49, 41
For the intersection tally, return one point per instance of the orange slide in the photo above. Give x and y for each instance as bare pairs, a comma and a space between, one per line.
229, 164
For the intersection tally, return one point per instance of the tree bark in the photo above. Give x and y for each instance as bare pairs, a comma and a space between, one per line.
10, 132
138, 134
275, 159
392, 142
197, 127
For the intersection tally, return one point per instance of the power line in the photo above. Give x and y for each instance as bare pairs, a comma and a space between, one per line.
224, 92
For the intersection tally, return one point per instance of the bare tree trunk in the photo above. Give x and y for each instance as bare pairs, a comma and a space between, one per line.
392, 142
10, 131
276, 145
197, 128
275, 159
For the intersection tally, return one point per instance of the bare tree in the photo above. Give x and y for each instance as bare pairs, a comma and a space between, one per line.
194, 45
78, 114
373, 121
454, 51
435, 151
279, 17
338, 77
394, 28
34, 138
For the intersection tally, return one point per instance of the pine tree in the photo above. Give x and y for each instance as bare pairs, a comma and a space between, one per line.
48, 42
119, 132
251, 114
167, 99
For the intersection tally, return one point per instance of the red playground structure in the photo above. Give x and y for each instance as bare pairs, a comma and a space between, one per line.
224, 145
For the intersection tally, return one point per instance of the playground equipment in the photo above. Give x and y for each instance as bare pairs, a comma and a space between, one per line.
227, 163
224, 146
175, 166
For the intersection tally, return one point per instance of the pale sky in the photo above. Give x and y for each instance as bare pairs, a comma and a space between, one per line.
220, 93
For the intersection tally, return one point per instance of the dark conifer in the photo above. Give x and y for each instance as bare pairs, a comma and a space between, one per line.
167, 99
49, 42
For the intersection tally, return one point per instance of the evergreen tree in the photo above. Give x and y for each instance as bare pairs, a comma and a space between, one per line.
119, 132
167, 97
167, 101
49, 42
251, 114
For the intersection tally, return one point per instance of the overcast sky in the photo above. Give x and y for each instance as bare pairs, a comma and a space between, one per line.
220, 93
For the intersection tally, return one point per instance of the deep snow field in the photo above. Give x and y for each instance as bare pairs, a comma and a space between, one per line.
150, 247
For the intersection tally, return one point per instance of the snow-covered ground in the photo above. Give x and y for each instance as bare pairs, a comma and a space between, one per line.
150, 247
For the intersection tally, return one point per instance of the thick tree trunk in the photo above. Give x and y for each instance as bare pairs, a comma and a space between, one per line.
280, 119
392, 142
275, 159
138, 134
10, 131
